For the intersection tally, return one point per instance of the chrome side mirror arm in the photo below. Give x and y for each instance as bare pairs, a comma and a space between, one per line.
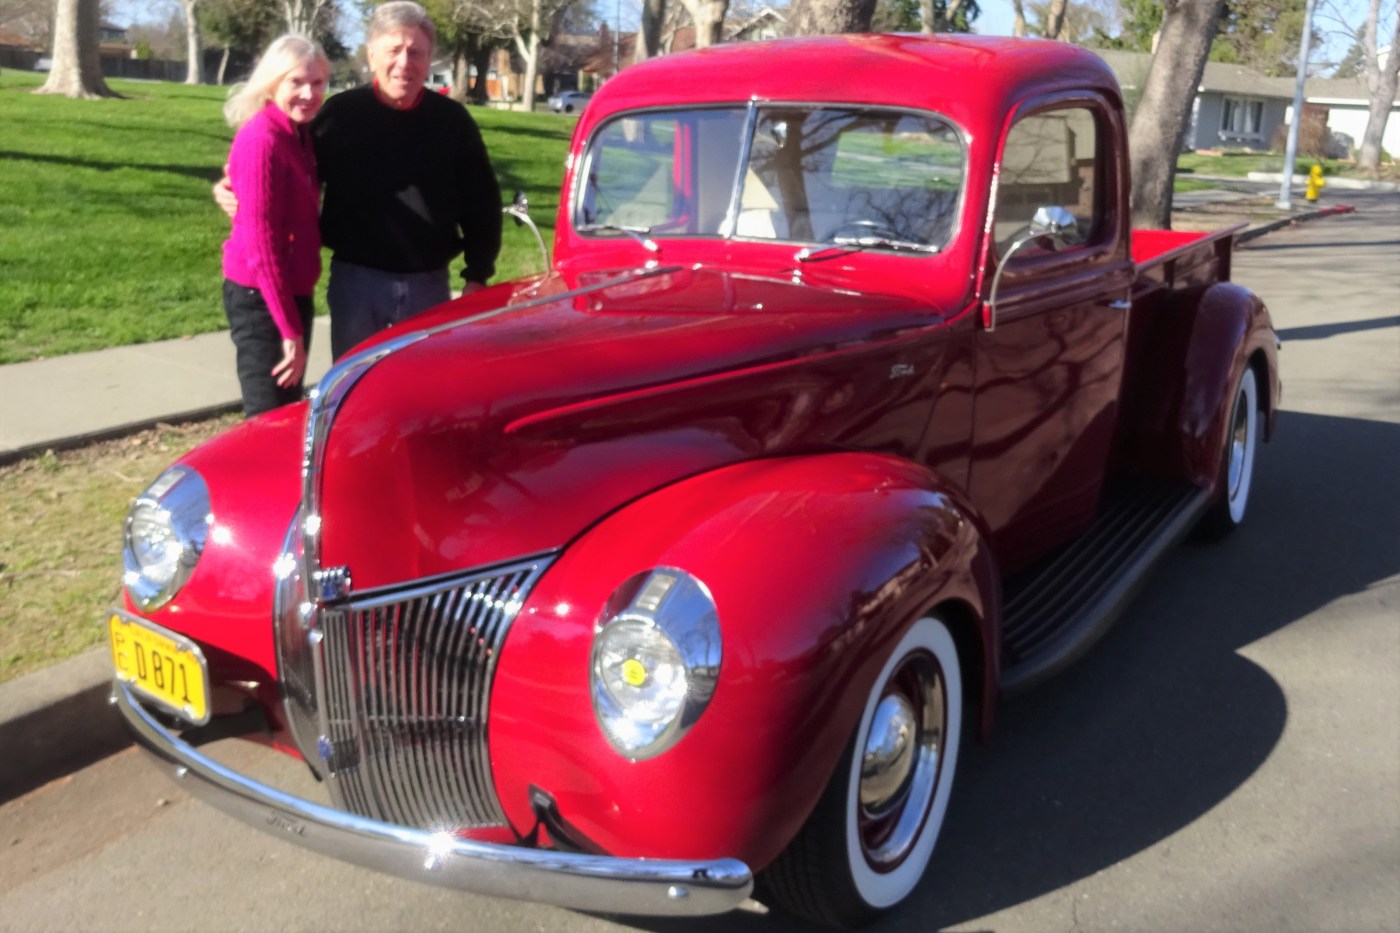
519, 211
1050, 221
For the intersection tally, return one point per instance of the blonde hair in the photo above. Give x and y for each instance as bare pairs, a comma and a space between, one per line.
400, 14
284, 54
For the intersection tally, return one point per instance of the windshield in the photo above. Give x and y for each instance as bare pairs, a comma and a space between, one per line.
804, 174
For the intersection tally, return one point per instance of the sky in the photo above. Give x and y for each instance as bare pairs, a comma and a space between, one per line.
995, 18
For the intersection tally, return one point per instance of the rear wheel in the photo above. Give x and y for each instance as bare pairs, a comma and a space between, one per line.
1237, 462
867, 843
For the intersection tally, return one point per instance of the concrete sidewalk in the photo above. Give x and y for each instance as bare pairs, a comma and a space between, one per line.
58, 719
72, 400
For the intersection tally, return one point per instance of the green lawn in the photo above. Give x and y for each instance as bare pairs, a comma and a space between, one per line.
108, 234
1240, 164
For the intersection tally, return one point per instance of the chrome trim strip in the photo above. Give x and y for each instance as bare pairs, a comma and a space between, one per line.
730, 223
655, 887
336, 384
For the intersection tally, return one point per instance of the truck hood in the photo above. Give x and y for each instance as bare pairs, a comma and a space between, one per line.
533, 409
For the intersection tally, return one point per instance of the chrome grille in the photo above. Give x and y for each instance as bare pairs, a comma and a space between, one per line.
387, 694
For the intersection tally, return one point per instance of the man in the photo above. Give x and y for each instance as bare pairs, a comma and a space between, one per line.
407, 186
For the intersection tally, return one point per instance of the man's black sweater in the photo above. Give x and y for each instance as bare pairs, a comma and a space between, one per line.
406, 190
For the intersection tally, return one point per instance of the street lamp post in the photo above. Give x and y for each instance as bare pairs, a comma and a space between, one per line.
1285, 191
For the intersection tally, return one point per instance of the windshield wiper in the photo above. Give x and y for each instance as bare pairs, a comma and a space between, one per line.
847, 244
637, 233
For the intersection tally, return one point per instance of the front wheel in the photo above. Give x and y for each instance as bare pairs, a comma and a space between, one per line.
1237, 462
871, 836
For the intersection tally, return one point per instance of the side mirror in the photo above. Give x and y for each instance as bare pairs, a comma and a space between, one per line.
519, 211
1051, 222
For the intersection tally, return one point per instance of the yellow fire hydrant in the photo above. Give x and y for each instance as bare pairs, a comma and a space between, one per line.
1315, 183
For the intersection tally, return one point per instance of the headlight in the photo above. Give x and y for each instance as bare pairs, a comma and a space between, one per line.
656, 654
165, 533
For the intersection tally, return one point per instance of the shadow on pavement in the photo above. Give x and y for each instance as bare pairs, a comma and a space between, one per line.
1320, 331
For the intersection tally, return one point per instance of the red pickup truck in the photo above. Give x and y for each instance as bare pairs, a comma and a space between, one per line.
848, 405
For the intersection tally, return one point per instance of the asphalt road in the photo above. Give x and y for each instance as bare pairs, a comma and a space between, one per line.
1228, 758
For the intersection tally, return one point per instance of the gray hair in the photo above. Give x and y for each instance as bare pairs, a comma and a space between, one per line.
400, 14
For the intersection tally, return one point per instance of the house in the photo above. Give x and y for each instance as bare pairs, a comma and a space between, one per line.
1238, 108
765, 23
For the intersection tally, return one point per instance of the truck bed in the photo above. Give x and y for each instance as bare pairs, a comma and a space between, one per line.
1151, 247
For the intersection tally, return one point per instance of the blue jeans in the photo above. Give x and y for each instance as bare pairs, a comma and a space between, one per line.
364, 301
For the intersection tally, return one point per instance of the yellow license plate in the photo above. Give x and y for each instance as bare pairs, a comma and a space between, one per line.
161, 666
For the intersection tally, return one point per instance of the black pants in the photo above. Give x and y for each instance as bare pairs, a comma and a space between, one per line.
259, 346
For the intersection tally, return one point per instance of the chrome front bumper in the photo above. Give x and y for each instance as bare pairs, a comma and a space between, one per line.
582, 882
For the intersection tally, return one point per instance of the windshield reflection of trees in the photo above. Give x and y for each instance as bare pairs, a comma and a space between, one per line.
832, 169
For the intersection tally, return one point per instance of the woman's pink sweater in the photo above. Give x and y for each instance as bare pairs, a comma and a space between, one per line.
275, 246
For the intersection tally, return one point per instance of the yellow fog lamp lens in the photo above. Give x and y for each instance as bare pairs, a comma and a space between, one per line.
634, 672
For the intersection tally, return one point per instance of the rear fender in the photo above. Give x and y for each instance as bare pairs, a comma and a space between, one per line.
1232, 329
817, 565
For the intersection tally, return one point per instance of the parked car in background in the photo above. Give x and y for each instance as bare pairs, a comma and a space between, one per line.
704, 553
569, 101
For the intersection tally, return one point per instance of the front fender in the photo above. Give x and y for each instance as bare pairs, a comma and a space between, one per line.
1232, 329
817, 565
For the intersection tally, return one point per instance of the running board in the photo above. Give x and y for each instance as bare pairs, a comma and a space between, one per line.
1056, 610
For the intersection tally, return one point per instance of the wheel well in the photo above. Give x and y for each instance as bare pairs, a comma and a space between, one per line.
962, 623
1260, 365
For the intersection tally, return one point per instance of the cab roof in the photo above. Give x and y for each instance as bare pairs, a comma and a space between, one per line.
972, 79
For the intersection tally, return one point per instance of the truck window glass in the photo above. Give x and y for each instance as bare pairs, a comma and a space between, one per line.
668, 172
816, 174
813, 174
1050, 158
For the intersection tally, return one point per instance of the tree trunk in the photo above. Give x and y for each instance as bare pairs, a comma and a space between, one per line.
301, 14
461, 74
826, 17
1018, 20
223, 66
649, 36
1163, 113
76, 70
529, 48
193, 53
1381, 85
708, 17
481, 58
931, 22
1055, 19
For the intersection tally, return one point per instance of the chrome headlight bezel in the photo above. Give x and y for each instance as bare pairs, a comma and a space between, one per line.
164, 536
655, 661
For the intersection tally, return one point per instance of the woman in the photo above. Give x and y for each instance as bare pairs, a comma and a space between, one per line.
272, 259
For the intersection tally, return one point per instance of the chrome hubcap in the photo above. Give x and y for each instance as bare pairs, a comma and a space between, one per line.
901, 761
889, 754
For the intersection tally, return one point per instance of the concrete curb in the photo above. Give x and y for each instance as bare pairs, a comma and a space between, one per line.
1334, 182
1254, 232
56, 721
16, 454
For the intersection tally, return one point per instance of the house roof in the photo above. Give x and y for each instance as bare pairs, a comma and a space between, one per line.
1228, 78
765, 16
10, 37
